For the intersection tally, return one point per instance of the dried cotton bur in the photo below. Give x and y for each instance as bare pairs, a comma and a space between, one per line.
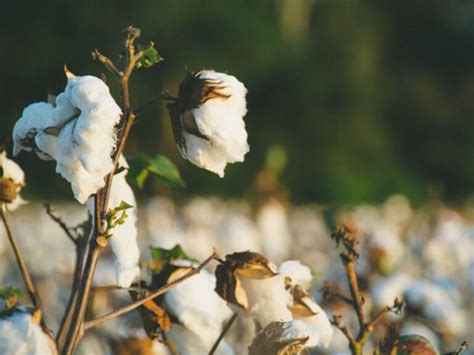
282, 309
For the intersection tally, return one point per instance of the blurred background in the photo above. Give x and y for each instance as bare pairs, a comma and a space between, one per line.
362, 99
360, 112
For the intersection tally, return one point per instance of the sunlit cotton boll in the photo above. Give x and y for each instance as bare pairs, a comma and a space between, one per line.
12, 170
19, 334
76, 129
207, 120
268, 300
86, 143
199, 310
124, 236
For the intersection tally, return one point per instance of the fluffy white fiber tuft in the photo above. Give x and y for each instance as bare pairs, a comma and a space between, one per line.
124, 239
19, 334
200, 311
77, 131
221, 121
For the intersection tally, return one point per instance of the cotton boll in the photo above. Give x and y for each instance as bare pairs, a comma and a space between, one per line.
296, 273
268, 300
319, 323
208, 121
35, 118
297, 329
19, 334
13, 171
197, 307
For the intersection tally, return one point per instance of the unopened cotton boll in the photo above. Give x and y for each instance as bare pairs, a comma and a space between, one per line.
19, 334
207, 120
14, 172
124, 237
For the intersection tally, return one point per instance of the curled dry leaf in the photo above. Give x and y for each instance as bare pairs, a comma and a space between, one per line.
156, 320
273, 340
228, 286
251, 265
241, 264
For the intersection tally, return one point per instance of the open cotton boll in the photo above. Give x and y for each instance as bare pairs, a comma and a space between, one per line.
124, 237
13, 171
319, 323
296, 273
268, 300
34, 119
19, 334
86, 143
296, 329
207, 120
197, 307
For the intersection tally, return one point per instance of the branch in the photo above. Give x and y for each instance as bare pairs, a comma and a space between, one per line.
463, 347
357, 298
60, 222
96, 55
224, 331
21, 262
160, 291
337, 322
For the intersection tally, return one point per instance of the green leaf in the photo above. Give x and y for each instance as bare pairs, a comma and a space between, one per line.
148, 56
159, 167
10, 296
161, 257
123, 206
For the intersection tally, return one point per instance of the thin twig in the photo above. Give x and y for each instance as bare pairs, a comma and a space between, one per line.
81, 249
224, 331
30, 288
463, 347
160, 291
60, 222
96, 55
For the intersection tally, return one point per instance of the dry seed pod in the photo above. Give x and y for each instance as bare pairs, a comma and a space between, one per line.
8, 190
251, 265
228, 286
302, 303
277, 338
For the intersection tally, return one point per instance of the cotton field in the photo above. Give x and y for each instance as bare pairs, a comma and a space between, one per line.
423, 256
